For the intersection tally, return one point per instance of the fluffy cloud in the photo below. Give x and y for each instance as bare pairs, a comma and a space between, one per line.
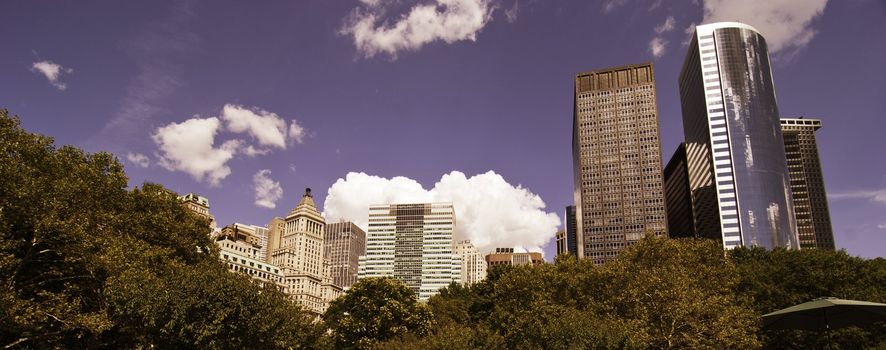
138, 159
878, 196
266, 127
267, 191
786, 24
667, 26
189, 146
489, 211
52, 72
445, 20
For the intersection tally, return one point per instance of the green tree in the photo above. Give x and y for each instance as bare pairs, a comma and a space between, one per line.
375, 310
87, 264
780, 278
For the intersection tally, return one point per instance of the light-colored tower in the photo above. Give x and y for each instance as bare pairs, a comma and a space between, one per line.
473, 266
616, 161
300, 254
413, 243
344, 244
199, 205
738, 175
807, 183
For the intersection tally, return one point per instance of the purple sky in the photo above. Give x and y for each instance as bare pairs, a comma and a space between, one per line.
476, 86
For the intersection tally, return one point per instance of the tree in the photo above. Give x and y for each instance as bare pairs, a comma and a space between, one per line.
780, 278
87, 264
375, 310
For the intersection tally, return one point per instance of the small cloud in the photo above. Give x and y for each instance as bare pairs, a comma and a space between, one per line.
251, 151
611, 5
189, 146
138, 159
265, 127
881, 226
52, 72
267, 191
877, 196
296, 132
667, 26
375, 32
689, 31
657, 46
292, 168
512, 12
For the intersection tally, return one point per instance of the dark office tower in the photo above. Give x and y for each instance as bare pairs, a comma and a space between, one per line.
807, 184
678, 196
741, 191
616, 160
571, 235
344, 244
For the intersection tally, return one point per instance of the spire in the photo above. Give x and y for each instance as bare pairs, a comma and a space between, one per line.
307, 199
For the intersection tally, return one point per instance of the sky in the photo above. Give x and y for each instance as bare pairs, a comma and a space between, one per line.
381, 101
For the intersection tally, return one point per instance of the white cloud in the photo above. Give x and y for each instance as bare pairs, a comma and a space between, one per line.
52, 72
189, 147
489, 211
266, 127
878, 196
881, 226
251, 151
445, 20
657, 46
611, 5
786, 24
667, 26
296, 132
138, 159
267, 191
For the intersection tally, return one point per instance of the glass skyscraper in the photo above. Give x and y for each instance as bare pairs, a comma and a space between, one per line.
739, 180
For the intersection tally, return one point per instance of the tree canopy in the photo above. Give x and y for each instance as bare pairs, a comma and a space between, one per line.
87, 263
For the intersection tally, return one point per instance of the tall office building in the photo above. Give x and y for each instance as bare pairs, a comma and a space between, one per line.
344, 244
257, 236
473, 266
300, 255
570, 236
737, 169
413, 243
561, 243
678, 195
807, 184
616, 160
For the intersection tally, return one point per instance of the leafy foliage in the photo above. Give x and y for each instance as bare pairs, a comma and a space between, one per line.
86, 263
374, 310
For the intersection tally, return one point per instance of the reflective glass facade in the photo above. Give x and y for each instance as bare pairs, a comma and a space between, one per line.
734, 137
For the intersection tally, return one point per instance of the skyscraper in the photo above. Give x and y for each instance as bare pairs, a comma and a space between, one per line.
344, 244
300, 253
616, 160
807, 184
198, 205
737, 169
678, 195
413, 243
570, 235
473, 266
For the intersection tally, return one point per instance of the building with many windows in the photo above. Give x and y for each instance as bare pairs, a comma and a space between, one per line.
616, 160
299, 252
738, 175
678, 196
344, 244
199, 205
473, 266
413, 243
807, 184
243, 257
507, 256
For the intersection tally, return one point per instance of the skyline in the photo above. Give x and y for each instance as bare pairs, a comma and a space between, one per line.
126, 76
